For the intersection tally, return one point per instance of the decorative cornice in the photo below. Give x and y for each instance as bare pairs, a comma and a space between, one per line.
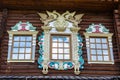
97, 28
23, 26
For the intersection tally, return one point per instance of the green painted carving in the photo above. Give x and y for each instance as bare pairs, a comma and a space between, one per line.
97, 28
23, 26
31, 27
81, 60
40, 59
15, 28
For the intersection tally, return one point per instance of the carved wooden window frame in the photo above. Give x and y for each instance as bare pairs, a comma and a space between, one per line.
60, 24
18, 30
100, 34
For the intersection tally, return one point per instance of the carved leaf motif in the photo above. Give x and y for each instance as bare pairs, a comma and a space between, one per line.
42, 15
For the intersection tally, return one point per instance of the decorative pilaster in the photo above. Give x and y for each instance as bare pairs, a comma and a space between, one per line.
46, 48
75, 50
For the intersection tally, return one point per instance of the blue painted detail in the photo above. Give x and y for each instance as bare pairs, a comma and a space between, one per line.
54, 65
81, 60
40, 59
67, 65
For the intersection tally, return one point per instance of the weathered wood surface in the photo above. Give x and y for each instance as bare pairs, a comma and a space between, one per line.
83, 5
32, 68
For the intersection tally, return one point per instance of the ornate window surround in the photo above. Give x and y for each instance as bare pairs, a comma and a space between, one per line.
22, 29
55, 23
98, 30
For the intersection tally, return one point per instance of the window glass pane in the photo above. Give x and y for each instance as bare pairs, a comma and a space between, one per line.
66, 56
104, 40
66, 44
14, 56
28, 50
60, 50
100, 58
16, 38
105, 52
22, 38
27, 56
15, 50
54, 50
21, 50
104, 46
60, 56
92, 45
60, 45
16, 44
60, 39
54, 44
98, 45
93, 51
28, 44
106, 58
98, 40
22, 44
54, 56
54, 38
99, 52
92, 40
93, 58
66, 50
21, 56
29, 38
66, 39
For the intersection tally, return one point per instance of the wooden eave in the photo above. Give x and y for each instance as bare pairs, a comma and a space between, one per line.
60, 5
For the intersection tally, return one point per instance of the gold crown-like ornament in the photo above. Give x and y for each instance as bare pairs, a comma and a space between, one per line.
61, 21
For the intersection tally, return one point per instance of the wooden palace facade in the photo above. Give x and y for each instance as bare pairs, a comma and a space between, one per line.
59, 39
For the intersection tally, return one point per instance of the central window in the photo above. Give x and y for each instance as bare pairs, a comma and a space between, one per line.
60, 47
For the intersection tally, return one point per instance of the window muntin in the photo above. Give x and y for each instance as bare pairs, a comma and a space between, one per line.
22, 47
60, 47
99, 49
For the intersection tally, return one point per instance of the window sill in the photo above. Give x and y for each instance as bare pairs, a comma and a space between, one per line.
20, 61
101, 62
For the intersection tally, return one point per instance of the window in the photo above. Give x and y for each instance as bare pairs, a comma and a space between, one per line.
99, 49
22, 48
22, 41
60, 47
99, 45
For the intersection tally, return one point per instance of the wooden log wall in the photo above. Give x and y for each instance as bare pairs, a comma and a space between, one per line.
27, 68
0, 36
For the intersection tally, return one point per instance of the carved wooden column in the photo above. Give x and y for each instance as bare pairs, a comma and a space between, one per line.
46, 49
75, 50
